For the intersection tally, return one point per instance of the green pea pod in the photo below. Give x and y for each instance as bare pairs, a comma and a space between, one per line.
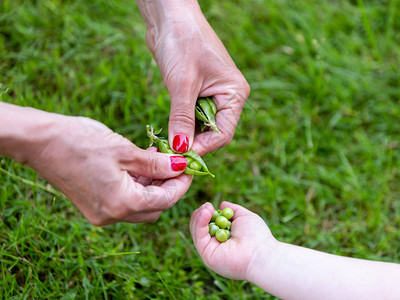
189, 160
197, 158
205, 112
200, 115
207, 109
163, 146
195, 172
213, 105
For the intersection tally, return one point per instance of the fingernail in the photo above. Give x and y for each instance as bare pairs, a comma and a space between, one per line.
180, 143
178, 163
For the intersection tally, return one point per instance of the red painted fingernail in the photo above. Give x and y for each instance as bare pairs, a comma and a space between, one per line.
158, 150
178, 163
180, 143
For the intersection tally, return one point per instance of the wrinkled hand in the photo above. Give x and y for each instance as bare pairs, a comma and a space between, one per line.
194, 63
233, 258
105, 175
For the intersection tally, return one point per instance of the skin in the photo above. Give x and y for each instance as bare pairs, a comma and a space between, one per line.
288, 271
105, 175
193, 63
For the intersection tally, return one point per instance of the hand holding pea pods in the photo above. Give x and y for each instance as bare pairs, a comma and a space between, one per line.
195, 164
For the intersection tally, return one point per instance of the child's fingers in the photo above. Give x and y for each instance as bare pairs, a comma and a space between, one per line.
238, 211
199, 226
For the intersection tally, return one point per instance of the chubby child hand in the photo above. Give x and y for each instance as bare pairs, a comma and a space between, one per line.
235, 257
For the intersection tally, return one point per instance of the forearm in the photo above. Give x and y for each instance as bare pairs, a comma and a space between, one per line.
159, 15
24, 131
293, 272
156, 12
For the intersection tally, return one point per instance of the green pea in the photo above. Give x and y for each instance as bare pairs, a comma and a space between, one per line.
228, 233
227, 213
221, 235
229, 225
195, 165
189, 160
221, 222
212, 228
215, 215
197, 158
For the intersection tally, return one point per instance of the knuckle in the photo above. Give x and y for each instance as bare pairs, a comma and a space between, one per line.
125, 150
180, 115
154, 217
246, 89
97, 221
242, 89
170, 197
152, 163
118, 213
187, 78
226, 139
116, 210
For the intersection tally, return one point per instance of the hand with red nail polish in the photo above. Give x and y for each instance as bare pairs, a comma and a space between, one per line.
106, 176
193, 63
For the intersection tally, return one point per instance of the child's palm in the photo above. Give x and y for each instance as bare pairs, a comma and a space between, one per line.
231, 258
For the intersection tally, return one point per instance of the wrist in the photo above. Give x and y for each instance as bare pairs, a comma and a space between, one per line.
24, 131
260, 266
162, 15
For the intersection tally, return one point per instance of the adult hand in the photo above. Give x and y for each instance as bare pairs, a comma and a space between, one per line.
194, 63
97, 169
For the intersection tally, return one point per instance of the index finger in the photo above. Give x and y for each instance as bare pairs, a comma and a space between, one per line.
153, 198
238, 210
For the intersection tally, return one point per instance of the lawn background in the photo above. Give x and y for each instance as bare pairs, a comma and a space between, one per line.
316, 152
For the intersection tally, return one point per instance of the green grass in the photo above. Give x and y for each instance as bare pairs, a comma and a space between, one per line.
316, 152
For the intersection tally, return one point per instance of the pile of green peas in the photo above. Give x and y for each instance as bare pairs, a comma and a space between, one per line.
220, 226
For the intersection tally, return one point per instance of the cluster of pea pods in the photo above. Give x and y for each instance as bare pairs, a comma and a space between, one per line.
205, 112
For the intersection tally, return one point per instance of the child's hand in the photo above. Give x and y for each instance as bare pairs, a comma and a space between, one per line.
233, 258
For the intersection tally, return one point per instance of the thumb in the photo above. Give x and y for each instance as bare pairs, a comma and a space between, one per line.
181, 122
154, 165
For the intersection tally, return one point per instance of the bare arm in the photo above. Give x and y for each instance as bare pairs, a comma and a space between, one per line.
98, 170
288, 271
293, 272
